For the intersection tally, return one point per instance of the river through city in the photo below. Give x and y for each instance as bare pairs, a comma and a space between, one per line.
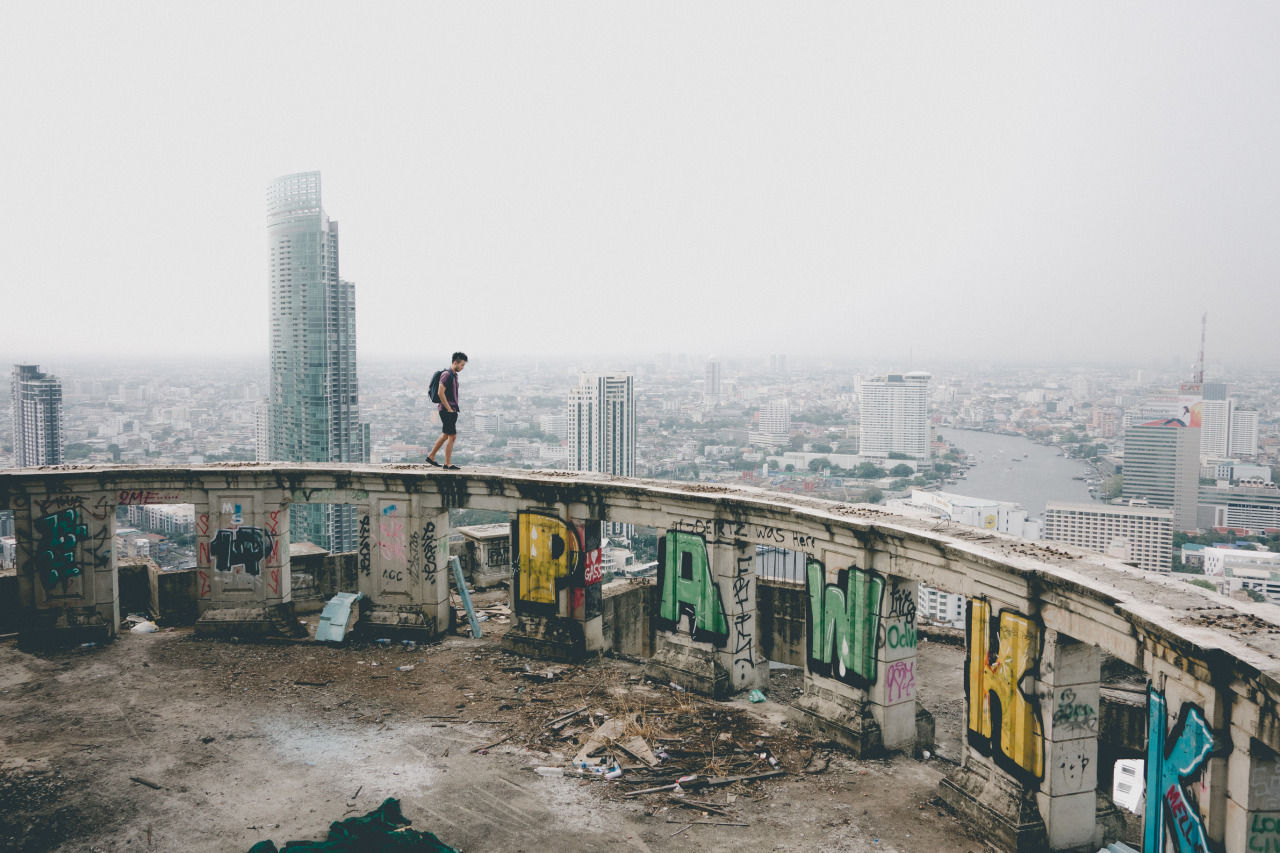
1012, 468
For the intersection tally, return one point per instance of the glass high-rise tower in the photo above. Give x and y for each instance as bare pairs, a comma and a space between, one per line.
314, 409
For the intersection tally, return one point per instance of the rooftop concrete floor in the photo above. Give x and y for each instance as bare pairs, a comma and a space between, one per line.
253, 741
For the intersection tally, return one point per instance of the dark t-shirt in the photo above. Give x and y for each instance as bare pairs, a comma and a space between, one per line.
449, 380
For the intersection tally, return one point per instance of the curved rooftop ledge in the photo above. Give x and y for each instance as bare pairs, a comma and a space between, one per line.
1084, 594
1038, 614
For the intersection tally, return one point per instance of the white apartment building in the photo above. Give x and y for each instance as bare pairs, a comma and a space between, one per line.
1217, 561
1244, 433
1001, 516
894, 414
601, 424
774, 427
1139, 535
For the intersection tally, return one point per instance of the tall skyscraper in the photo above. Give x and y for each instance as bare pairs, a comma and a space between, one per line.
1162, 465
602, 424
711, 390
314, 411
894, 412
1215, 420
37, 417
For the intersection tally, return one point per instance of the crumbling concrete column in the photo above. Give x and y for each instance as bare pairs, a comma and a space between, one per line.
706, 638
860, 658
403, 567
557, 569
242, 563
1070, 672
66, 566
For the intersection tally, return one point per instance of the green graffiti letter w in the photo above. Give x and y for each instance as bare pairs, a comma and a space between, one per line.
844, 622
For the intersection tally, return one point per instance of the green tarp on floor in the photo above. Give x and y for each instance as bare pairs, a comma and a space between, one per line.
383, 829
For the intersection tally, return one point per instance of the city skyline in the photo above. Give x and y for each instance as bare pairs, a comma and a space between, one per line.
906, 184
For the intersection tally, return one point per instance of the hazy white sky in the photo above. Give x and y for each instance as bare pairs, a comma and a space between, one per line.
1020, 180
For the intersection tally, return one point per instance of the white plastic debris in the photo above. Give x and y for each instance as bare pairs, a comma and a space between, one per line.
147, 627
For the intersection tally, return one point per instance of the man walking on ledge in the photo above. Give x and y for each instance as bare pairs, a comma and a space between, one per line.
447, 390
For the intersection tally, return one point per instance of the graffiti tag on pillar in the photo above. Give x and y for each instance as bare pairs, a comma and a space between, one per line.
56, 550
1004, 716
686, 590
1172, 761
744, 600
844, 623
242, 546
365, 558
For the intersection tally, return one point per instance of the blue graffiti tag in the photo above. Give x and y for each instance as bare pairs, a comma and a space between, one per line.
1169, 764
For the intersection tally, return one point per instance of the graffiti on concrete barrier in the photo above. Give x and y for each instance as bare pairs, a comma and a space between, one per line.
844, 623
1264, 832
899, 681
245, 548
744, 613
59, 534
1004, 715
553, 556
686, 589
1074, 716
1174, 758
363, 550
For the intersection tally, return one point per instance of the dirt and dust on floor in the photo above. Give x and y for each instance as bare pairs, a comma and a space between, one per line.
173, 741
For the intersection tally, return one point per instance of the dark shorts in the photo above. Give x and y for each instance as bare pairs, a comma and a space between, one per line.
449, 422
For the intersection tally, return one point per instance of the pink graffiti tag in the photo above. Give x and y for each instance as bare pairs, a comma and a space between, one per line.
594, 567
900, 681
391, 539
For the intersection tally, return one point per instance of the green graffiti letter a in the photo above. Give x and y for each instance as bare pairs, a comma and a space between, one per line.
844, 622
686, 589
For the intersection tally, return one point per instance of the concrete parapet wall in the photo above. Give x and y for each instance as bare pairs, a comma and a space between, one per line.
1032, 714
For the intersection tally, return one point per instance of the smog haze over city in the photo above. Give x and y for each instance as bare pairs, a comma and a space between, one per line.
862, 182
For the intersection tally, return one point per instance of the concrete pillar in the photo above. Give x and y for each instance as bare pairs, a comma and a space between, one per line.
860, 658
707, 639
66, 567
1188, 748
1253, 772
1070, 672
403, 567
557, 569
242, 563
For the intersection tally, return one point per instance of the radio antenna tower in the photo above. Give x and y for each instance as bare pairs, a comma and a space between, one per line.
1199, 377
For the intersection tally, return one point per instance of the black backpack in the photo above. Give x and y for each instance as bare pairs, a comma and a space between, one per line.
433, 391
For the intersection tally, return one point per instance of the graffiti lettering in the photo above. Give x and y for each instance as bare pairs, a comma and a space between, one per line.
202, 523
391, 538
273, 522
365, 558
900, 681
844, 623
1073, 715
1172, 761
1070, 766
429, 551
246, 547
744, 660
594, 567
499, 555
273, 581
685, 589
1264, 832
204, 584
395, 575
56, 550
148, 497
1004, 716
